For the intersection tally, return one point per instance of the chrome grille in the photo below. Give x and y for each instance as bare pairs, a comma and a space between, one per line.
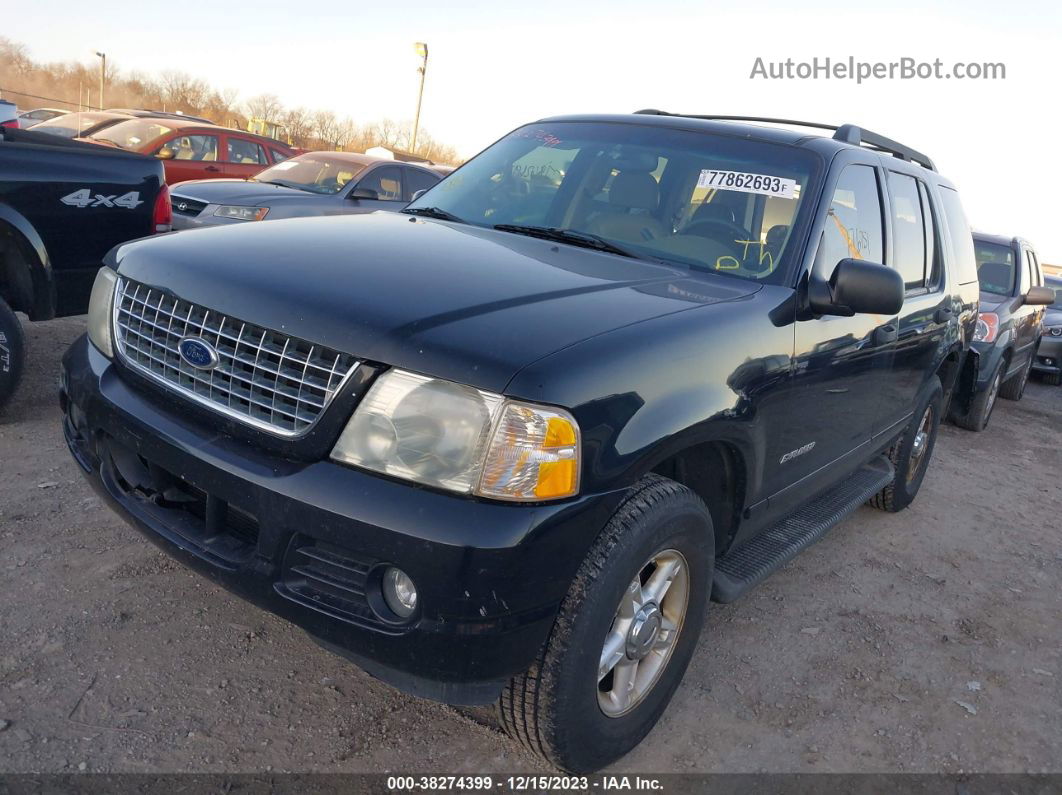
262, 377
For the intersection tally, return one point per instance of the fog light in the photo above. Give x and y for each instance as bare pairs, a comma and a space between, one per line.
399, 592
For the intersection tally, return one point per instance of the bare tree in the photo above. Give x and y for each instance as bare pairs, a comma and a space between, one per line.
299, 122
265, 106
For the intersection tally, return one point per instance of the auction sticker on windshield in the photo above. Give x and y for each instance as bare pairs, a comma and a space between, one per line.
748, 183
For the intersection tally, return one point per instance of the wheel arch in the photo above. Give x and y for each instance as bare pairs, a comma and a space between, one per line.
27, 282
717, 471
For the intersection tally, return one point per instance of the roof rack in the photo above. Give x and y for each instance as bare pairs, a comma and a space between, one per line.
848, 133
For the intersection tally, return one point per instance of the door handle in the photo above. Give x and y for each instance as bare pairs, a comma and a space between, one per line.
212, 168
883, 335
943, 314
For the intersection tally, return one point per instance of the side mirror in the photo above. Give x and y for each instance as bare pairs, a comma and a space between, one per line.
364, 193
1040, 296
858, 286
165, 154
418, 194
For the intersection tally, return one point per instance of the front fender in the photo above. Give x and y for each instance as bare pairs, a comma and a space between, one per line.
32, 289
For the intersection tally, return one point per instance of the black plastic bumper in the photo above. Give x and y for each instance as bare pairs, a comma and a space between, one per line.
306, 541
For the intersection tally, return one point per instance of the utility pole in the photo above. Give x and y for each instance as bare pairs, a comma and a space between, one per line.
103, 72
422, 51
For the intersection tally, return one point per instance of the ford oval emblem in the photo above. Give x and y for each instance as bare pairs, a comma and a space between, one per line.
199, 353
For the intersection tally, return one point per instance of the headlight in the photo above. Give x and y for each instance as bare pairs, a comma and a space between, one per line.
99, 312
239, 213
462, 439
987, 327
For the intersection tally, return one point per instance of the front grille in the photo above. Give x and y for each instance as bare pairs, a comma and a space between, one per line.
262, 377
182, 205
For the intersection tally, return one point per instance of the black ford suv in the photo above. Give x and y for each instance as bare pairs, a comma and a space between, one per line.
503, 448
1009, 325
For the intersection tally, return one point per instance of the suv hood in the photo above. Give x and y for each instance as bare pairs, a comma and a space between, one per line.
239, 191
460, 302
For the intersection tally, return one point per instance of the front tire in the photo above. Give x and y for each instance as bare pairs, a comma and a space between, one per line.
12, 352
636, 605
910, 454
1015, 387
1053, 379
976, 419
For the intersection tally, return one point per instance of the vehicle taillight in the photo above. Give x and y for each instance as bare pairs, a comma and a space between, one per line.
10, 123
987, 327
162, 217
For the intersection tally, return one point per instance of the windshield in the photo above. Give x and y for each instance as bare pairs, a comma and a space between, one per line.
70, 125
316, 173
708, 201
995, 267
132, 134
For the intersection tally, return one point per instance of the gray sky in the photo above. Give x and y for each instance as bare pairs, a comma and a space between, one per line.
496, 65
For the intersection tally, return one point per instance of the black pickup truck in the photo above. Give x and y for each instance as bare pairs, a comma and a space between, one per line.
505, 447
63, 205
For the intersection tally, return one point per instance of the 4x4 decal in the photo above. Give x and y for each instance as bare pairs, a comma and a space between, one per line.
85, 198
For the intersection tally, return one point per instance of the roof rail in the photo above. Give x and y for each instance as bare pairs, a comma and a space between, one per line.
848, 133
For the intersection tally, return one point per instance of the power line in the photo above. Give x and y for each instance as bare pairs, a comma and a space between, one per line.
47, 99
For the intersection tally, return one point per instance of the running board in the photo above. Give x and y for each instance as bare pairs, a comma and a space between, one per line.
743, 568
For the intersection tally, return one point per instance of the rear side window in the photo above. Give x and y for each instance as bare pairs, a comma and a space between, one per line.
908, 230
959, 235
246, 152
1037, 274
853, 224
278, 156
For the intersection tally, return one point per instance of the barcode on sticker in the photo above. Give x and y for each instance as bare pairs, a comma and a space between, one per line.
748, 183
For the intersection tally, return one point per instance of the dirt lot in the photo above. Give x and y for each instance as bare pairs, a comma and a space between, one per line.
924, 641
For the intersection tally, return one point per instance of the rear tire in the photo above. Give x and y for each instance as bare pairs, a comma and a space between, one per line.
12, 352
557, 709
910, 454
976, 419
1015, 387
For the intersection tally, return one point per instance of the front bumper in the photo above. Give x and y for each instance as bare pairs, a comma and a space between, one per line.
1048, 355
988, 355
304, 540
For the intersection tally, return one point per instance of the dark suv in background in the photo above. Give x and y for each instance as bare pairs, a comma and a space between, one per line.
1009, 324
1049, 355
503, 448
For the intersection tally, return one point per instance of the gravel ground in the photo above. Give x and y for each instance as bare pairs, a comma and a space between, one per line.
924, 641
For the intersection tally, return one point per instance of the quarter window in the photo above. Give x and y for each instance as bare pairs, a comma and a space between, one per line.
908, 230
962, 246
853, 224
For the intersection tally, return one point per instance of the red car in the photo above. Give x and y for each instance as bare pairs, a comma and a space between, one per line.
192, 150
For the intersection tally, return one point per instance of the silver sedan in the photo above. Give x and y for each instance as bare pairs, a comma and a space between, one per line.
315, 183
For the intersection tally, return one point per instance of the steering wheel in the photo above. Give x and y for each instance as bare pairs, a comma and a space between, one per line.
719, 230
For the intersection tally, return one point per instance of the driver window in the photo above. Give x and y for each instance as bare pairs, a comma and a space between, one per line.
193, 147
853, 224
386, 181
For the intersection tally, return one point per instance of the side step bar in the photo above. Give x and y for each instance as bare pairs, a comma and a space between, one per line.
743, 568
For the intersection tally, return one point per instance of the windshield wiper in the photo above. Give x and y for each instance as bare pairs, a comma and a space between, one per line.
433, 212
571, 236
